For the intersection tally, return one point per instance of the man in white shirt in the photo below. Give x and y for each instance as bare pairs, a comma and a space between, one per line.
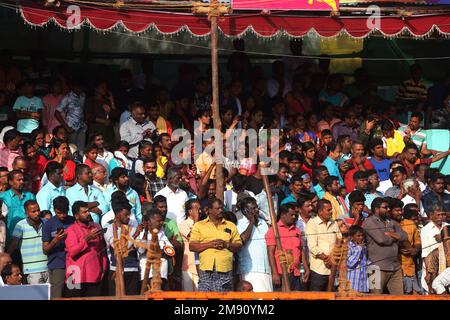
254, 265
153, 219
130, 264
100, 177
431, 240
136, 129
413, 195
442, 282
176, 197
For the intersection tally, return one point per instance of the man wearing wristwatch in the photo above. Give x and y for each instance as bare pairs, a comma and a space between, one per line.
215, 239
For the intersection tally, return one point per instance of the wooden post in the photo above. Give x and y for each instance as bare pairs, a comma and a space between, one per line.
213, 15
120, 285
285, 284
147, 269
334, 267
446, 242
155, 254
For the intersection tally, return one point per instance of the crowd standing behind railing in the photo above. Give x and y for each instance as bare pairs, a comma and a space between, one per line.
83, 157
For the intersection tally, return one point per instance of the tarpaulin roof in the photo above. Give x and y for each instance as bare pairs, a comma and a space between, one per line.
232, 25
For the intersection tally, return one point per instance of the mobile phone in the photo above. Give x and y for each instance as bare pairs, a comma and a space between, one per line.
58, 230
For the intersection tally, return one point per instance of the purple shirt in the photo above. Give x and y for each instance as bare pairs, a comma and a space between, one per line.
341, 128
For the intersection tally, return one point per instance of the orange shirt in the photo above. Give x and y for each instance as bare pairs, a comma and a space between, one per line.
408, 266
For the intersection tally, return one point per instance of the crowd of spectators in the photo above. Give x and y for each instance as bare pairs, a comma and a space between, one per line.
80, 156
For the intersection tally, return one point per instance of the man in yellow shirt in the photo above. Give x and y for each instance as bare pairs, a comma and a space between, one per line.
215, 239
393, 143
332, 194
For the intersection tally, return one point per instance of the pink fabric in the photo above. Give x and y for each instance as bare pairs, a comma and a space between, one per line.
291, 239
249, 166
50, 103
90, 258
7, 156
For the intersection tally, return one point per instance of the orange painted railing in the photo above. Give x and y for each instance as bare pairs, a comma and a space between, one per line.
164, 295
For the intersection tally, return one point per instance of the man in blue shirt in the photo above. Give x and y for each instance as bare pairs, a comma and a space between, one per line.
334, 153
83, 190
52, 188
27, 237
53, 236
436, 194
296, 187
28, 108
14, 200
119, 177
320, 173
380, 163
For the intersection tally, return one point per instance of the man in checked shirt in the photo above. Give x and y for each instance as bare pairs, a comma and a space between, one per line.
152, 183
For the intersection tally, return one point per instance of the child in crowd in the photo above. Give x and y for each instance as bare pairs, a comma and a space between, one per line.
91, 153
46, 215
358, 261
121, 159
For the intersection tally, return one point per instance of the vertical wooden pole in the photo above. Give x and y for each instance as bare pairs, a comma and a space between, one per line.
332, 276
285, 284
214, 13
144, 286
446, 242
156, 255
119, 281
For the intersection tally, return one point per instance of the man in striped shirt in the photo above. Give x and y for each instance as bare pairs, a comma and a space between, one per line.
413, 90
413, 132
27, 236
357, 261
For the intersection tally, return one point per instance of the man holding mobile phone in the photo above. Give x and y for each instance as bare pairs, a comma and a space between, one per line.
53, 239
86, 260
136, 129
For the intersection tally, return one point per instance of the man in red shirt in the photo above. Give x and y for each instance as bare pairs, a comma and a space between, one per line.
291, 241
409, 158
358, 162
86, 260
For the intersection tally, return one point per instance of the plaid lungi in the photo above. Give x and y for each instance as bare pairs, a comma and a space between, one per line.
213, 281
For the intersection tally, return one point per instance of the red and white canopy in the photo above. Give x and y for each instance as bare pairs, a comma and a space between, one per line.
232, 25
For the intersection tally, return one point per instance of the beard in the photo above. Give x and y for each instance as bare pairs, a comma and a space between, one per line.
151, 175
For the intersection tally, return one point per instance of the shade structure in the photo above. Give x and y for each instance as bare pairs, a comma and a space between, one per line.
233, 25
